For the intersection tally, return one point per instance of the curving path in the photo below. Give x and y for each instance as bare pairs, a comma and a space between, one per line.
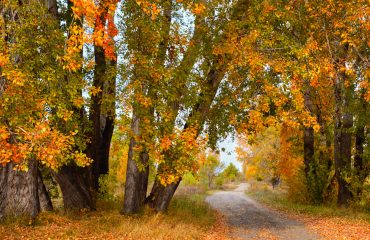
250, 220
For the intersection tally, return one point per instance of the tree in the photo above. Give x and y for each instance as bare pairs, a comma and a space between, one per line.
28, 138
53, 127
210, 166
310, 48
80, 186
230, 172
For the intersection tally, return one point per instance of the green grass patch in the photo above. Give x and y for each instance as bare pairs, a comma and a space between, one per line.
192, 209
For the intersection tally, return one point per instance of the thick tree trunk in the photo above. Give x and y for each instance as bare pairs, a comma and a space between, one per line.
44, 198
94, 148
160, 196
136, 175
342, 157
342, 142
76, 190
108, 116
19, 191
358, 160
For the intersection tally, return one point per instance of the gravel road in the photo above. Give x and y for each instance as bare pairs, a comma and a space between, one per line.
249, 220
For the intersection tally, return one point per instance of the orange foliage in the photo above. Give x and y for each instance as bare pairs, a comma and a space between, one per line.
50, 147
95, 17
270, 153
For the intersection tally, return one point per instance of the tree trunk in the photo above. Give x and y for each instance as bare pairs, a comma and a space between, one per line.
137, 175
52, 7
342, 157
342, 141
108, 116
308, 149
309, 137
19, 191
44, 198
360, 140
358, 161
160, 196
76, 190
94, 147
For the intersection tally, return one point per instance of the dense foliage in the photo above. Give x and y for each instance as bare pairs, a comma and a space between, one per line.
173, 77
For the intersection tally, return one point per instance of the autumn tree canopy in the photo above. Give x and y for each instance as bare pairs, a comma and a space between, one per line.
289, 78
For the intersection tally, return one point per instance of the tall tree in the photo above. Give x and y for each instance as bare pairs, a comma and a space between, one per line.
27, 135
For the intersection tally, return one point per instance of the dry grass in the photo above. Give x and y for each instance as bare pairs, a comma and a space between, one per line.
328, 221
187, 218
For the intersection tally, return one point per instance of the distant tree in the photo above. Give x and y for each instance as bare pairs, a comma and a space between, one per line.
231, 172
210, 168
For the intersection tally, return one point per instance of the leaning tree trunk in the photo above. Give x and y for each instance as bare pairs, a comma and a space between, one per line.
75, 187
160, 196
137, 174
44, 198
19, 191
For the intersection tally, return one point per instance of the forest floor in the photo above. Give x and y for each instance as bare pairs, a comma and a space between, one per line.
249, 219
189, 217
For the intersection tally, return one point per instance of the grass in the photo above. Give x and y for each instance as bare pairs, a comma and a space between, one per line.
278, 199
187, 218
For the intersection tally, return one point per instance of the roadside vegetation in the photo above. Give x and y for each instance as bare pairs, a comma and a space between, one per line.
188, 217
327, 220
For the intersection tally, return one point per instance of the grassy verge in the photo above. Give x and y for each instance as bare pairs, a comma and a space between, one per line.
188, 218
278, 199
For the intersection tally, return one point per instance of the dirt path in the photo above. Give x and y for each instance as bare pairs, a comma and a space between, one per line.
250, 220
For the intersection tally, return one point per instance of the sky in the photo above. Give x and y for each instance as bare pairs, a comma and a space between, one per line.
229, 155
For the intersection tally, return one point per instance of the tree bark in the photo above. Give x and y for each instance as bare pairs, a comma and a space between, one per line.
308, 149
74, 183
342, 157
94, 150
108, 116
19, 191
102, 110
44, 198
360, 140
137, 174
52, 7
309, 137
342, 140
160, 196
